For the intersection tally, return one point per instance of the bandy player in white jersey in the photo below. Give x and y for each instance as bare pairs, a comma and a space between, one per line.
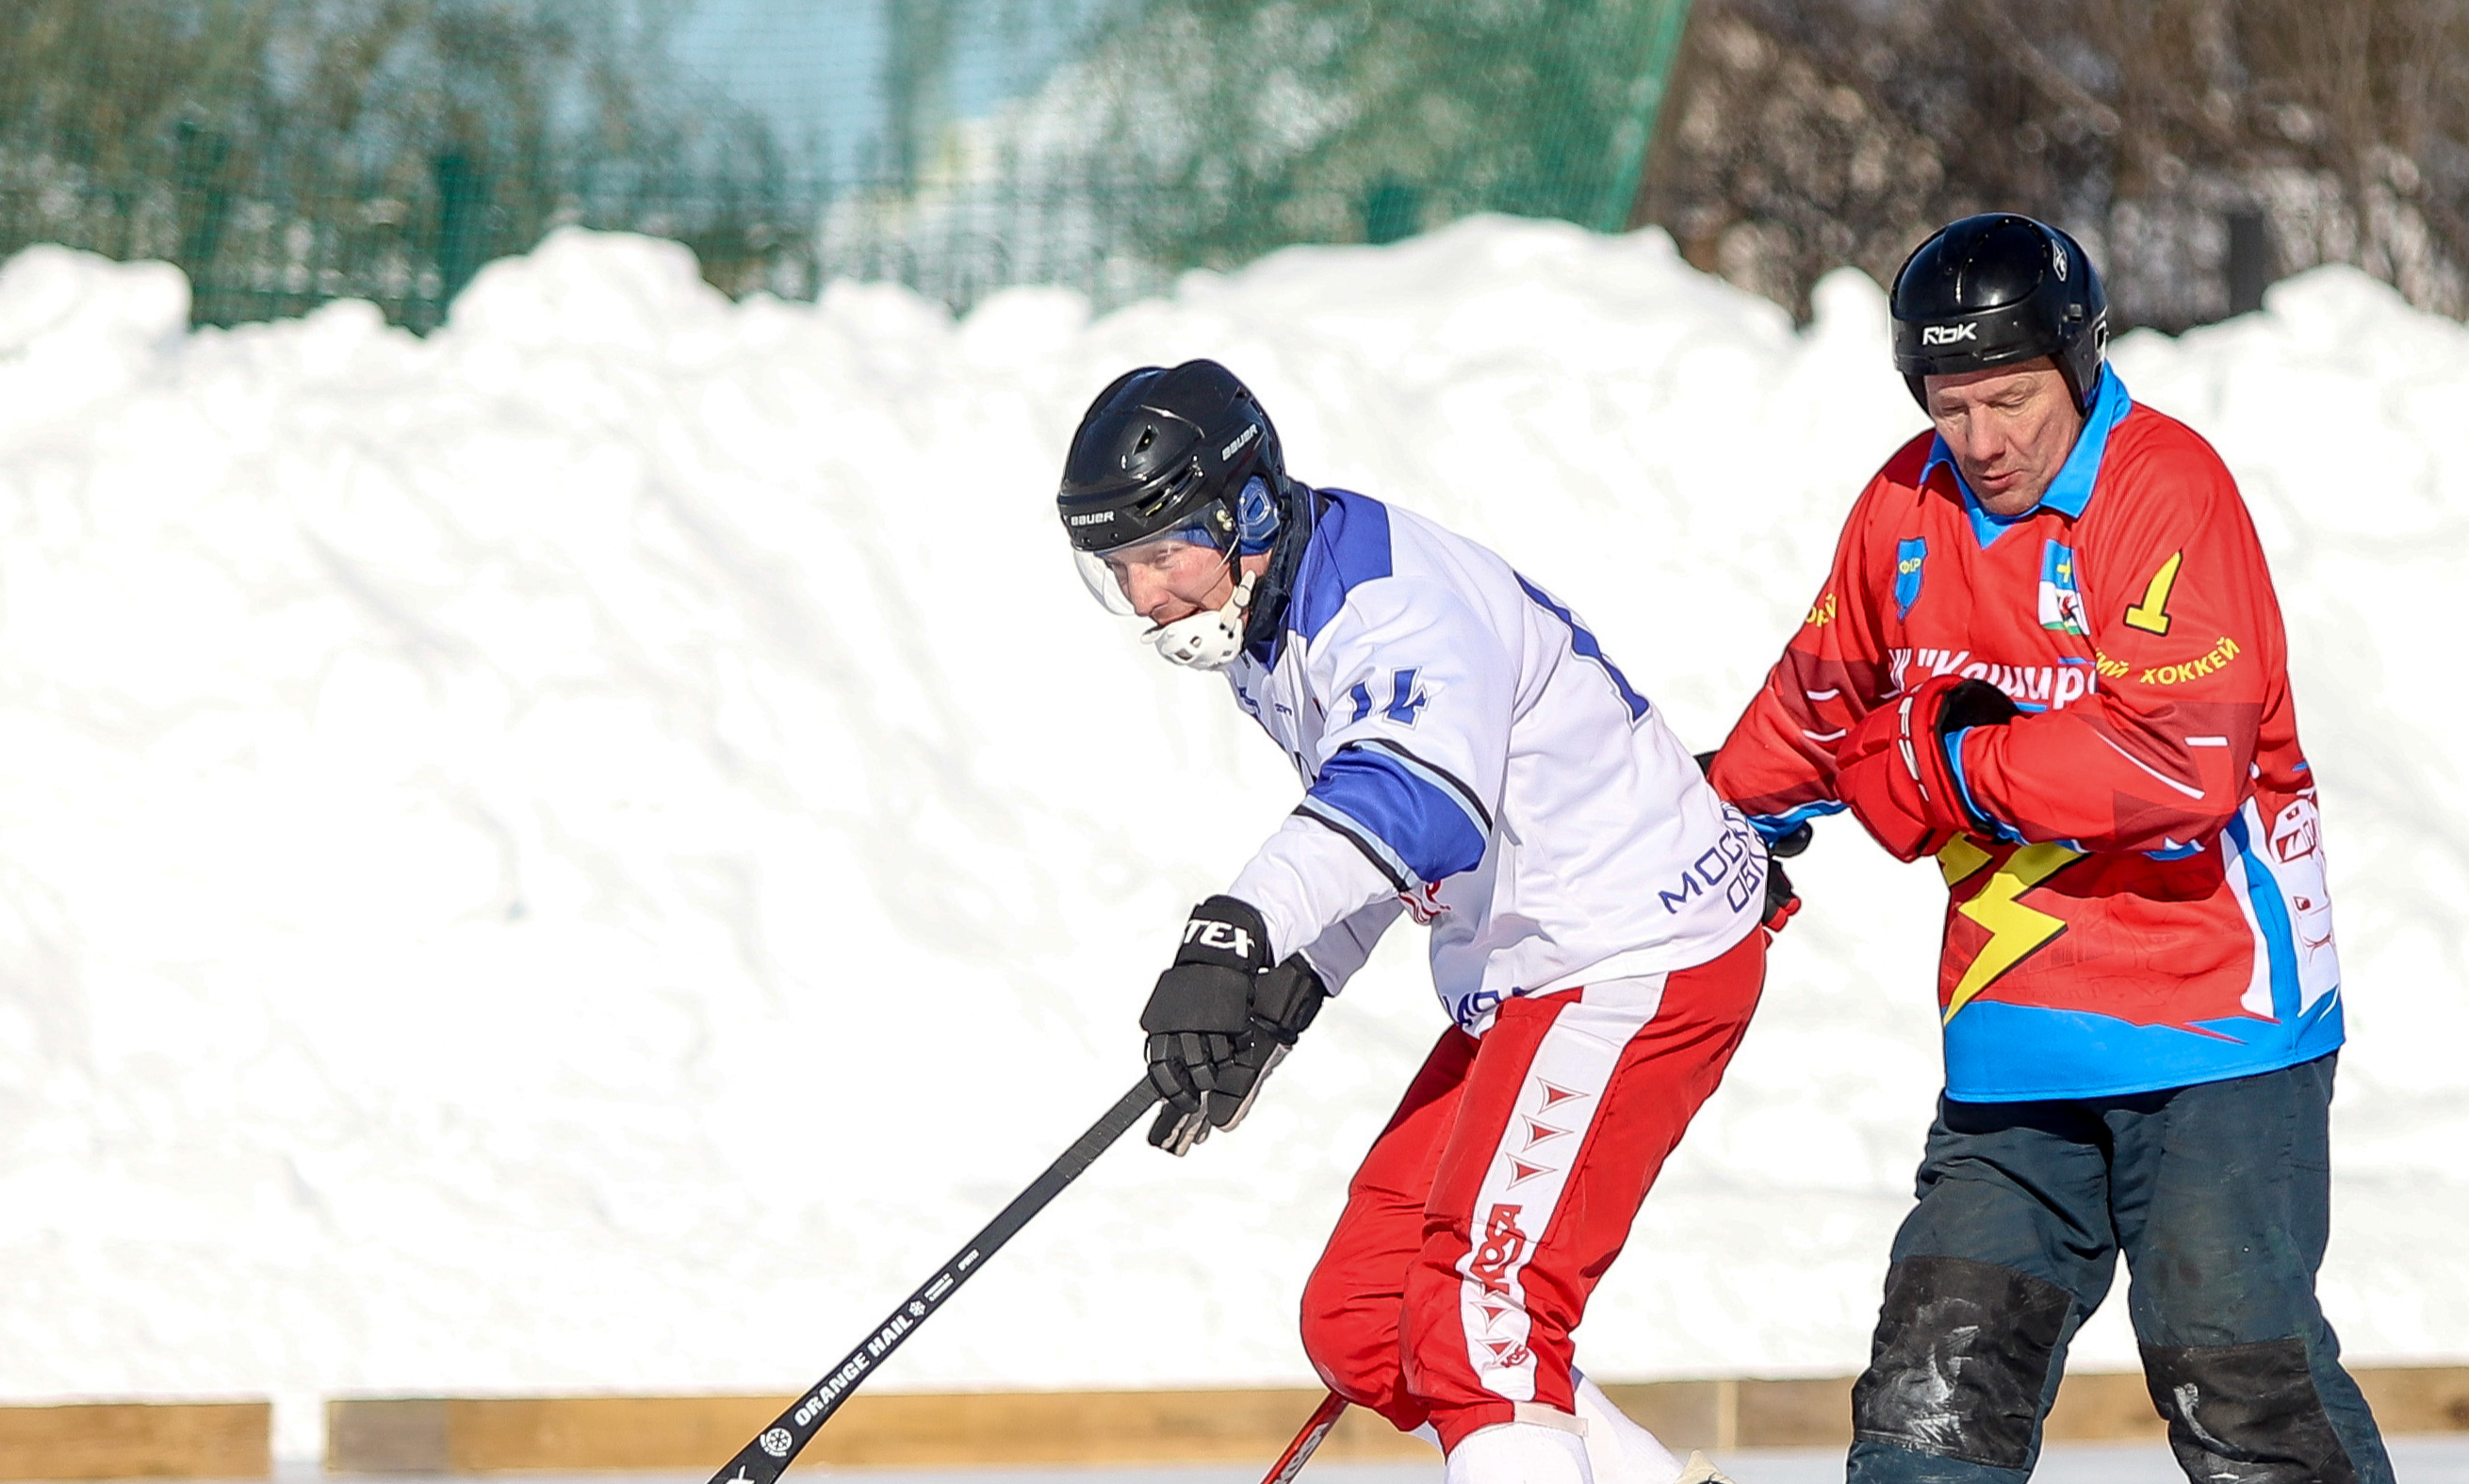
1471, 756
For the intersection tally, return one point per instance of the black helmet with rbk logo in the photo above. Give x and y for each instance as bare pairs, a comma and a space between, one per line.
1993, 290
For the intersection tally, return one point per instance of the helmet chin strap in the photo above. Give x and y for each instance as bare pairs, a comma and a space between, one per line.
1206, 640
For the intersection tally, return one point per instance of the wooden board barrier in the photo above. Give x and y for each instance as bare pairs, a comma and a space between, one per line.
969, 1430
137, 1440
2417, 1398
522, 1435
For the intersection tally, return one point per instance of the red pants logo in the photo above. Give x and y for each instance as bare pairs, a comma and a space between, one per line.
1503, 1244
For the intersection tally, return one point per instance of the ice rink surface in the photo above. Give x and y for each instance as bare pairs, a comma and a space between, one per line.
2416, 1460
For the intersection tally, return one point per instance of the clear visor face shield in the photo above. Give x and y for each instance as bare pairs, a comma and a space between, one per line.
1186, 583
1170, 570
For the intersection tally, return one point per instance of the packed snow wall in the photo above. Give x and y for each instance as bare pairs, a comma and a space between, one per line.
587, 852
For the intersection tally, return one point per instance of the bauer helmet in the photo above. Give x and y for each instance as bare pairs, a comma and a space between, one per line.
1173, 476
1995, 289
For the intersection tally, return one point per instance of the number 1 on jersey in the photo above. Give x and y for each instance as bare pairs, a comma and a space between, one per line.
2152, 614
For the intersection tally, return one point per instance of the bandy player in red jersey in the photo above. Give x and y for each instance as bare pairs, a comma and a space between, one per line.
2049, 655
1470, 757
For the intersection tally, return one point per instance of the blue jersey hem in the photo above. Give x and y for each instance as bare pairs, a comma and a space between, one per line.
2128, 1088
2084, 1054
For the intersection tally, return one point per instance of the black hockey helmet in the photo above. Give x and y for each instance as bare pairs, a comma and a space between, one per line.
1161, 451
1996, 288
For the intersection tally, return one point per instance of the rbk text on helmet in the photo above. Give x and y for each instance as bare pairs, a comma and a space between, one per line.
1993, 290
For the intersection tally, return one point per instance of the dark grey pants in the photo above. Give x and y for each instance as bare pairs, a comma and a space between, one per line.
2220, 1197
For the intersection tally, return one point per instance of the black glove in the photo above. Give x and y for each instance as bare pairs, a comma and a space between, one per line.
1220, 1020
1782, 901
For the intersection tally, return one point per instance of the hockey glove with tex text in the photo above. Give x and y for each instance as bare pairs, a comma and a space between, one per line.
1221, 1020
1896, 774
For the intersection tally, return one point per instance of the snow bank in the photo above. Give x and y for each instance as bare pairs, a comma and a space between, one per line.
587, 852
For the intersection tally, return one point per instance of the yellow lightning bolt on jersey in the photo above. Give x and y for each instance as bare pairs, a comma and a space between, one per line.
2016, 931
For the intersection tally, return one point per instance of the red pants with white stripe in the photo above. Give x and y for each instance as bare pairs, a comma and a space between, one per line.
1504, 1186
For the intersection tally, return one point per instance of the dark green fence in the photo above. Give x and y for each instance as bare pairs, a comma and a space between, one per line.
284, 152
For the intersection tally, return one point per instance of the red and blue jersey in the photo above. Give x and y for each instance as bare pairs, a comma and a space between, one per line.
2152, 911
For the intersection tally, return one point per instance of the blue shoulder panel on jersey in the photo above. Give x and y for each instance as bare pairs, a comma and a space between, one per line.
1349, 546
1410, 809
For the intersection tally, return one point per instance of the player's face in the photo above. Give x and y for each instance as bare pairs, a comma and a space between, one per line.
2010, 429
1166, 580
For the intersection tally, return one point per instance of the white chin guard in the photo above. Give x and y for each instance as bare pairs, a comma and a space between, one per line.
1206, 641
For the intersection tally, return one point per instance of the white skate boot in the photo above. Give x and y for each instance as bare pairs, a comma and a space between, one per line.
1519, 1452
1620, 1452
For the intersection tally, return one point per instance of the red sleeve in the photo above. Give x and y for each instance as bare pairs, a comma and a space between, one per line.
2190, 652
1780, 759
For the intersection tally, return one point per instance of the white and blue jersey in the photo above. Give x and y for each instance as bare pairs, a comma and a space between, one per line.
1471, 756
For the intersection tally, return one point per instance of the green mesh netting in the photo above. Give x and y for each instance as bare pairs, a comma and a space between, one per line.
284, 152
